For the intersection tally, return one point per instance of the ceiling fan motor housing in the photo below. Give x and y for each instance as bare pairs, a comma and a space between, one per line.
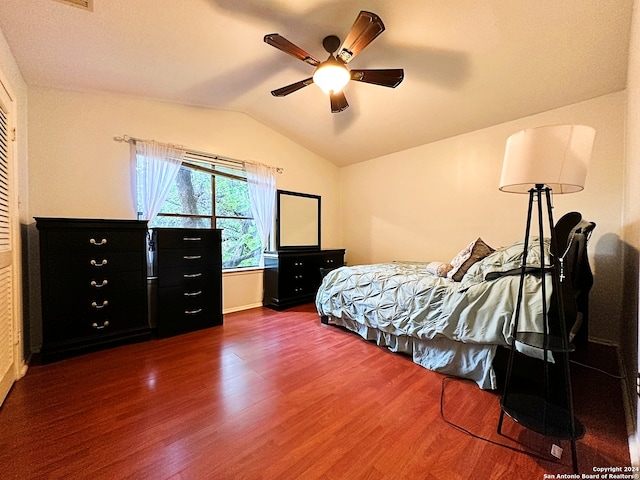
331, 43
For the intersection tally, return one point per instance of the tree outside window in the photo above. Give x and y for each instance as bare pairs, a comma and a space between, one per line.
204, 196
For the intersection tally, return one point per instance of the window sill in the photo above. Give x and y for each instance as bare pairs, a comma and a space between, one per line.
241, 271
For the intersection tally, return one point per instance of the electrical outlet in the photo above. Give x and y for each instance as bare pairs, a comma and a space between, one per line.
556, 451
638, 384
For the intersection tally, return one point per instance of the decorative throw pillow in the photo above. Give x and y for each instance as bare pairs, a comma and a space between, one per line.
439, 269
472, 253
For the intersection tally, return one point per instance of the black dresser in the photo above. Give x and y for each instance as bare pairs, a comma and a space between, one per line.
93, 284
292, 277
188, 265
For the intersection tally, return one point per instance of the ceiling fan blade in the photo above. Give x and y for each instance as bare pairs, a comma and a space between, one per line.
281, 43
364, 30
386, 78
338, 102
294, 87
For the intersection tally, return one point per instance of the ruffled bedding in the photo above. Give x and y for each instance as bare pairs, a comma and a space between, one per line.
448, 326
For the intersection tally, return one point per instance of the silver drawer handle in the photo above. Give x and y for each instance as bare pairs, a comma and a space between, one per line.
100, 327
191, 239
192, 275
95, 284
101, 242
96, 264
192, 312
192, 257
95, 305
193, 294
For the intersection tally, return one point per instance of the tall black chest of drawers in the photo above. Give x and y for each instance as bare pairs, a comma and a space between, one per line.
93, 284
188, 265
292, 277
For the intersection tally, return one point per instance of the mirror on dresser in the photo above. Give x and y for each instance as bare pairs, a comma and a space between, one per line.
292, 273
297, 221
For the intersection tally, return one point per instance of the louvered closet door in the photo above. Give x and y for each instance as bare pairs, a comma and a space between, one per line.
8, 336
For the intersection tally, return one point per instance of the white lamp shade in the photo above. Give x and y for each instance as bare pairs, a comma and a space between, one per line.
331, 76
555, 155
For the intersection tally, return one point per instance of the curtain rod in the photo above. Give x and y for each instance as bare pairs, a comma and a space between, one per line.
213, 156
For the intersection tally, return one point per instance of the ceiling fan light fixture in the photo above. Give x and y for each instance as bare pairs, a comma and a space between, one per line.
331, 76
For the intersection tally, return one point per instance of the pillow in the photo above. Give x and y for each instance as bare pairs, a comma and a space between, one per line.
472, 253
439, 269
504, 260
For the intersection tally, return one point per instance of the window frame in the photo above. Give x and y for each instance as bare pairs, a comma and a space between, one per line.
214, 171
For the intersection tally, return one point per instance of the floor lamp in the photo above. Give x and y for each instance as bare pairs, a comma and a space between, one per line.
541, 161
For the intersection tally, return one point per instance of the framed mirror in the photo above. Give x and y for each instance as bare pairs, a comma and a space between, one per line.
297, 221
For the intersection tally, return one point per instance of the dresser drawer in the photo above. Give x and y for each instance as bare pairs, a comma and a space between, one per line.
192, 275
333, 260
95, 240
181, 311
99, 283
295, 288
185, 301
87, 264
85, 318
293, 264
178, 238
189, 257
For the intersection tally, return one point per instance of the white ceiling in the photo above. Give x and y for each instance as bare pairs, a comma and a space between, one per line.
468, 64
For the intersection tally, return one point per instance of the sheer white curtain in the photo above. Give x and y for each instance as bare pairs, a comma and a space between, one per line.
157, 166
262, 192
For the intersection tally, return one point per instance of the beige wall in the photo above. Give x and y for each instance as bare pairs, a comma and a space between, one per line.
78, 170
429, 202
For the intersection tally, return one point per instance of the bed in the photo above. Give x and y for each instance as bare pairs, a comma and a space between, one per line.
452, 317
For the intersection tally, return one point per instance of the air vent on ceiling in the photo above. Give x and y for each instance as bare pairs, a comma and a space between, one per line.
84, 4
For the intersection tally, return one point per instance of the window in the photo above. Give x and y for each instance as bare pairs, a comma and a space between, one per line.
208, 196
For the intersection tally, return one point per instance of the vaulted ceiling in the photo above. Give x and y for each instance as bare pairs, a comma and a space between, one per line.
468, 64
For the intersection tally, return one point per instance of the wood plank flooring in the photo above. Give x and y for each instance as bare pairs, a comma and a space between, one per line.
277, 395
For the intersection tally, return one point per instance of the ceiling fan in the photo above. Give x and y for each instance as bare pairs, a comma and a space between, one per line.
332, 74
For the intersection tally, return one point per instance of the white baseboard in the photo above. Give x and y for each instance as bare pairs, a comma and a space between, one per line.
241, 308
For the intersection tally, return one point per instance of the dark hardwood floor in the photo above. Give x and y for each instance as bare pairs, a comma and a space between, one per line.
277, 395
